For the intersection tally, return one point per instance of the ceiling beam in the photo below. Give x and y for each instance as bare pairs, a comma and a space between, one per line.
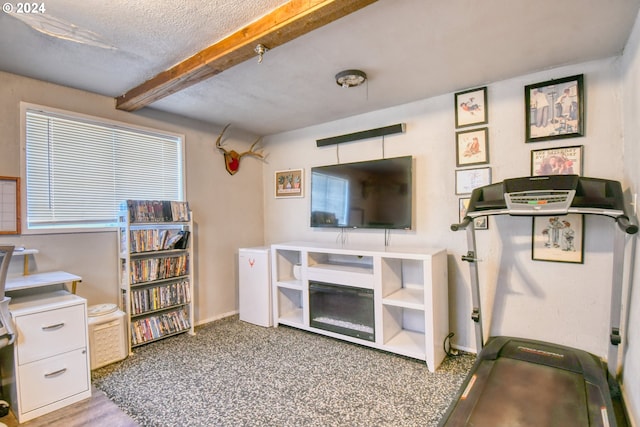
287, 22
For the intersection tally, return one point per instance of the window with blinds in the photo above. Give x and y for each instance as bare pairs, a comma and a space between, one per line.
79, 170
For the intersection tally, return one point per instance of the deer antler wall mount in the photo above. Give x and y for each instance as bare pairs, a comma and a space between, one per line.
232, 157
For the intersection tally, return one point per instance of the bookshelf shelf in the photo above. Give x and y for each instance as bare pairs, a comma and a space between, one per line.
156, 271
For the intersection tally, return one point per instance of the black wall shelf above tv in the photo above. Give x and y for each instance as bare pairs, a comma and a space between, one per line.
365, 134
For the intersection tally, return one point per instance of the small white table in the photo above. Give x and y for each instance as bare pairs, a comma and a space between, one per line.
39, 280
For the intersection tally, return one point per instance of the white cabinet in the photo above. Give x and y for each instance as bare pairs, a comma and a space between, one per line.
47, 368
410, 293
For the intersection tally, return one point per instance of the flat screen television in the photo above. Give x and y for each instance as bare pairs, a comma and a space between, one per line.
369, 194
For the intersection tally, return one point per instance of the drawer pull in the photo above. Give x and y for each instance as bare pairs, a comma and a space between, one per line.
53, 327
55, 373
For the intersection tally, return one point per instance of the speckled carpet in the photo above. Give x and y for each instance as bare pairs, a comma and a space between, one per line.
237, 374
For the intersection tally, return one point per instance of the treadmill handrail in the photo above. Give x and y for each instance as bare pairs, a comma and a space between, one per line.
626, 225
621, 219
536, 196
462, 225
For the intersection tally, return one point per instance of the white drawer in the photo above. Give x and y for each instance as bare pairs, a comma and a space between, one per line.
50, 332
53, 379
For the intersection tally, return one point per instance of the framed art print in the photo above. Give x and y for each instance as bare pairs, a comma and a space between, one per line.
289, 183
468, 179
472, 147
557, 161
479, 223
471, 107
554, 109
558, 238
9, 205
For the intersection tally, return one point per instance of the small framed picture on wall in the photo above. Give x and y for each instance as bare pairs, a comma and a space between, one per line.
471, 107
289, 183
472, 147
558, 238
554, 109
479, 223
557, 161
468, 179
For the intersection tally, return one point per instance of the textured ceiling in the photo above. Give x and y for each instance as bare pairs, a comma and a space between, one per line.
410, 49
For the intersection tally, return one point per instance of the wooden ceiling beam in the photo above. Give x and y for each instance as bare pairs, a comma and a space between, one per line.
287, 22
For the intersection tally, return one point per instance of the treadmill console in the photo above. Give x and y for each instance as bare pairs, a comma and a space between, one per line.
548, 195
552, 202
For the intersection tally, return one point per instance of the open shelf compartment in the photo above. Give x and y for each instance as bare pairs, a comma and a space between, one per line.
403, 331
289, 307
285, 262
403, 282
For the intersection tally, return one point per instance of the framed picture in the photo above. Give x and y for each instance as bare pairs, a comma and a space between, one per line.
472, 147
558, 238
289, 183
468, 179
471, 107
554, 109
9, 205
557, 161
479, 223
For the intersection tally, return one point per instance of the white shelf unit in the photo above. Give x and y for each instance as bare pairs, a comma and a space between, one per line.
288, 292
156, 283
410, 292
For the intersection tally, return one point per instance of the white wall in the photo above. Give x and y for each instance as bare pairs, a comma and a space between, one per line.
631, 110
227, 209
564, 303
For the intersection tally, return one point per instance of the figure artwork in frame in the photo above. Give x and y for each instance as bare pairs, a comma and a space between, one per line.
554, 109
558, 238
471, 107
472, 147
479, 223
557, 161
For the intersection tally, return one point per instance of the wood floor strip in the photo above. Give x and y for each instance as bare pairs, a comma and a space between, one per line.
97, 411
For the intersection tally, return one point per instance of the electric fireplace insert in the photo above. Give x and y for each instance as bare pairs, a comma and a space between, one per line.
341, 309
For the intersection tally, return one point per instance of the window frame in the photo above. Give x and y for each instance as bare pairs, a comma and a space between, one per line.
25, 106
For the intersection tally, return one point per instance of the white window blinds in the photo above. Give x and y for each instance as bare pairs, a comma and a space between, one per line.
78, 171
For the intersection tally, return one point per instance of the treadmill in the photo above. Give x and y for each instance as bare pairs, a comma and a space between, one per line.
520, 382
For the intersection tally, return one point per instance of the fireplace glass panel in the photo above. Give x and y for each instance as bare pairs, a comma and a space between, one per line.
345, 310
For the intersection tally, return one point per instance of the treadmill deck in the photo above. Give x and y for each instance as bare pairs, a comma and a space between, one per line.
518, 382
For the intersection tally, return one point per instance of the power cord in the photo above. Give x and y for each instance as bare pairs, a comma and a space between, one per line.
446, 345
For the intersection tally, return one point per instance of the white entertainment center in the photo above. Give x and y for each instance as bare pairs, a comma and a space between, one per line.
407, 288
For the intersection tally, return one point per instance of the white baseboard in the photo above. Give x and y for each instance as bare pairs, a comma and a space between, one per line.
218, 317
463, 348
